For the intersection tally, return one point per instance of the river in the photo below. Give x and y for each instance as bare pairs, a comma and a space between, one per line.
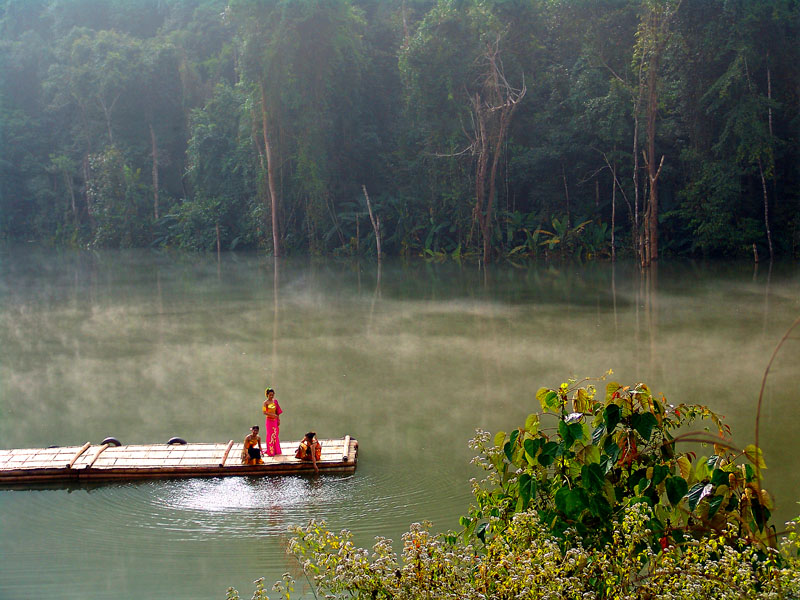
409, 359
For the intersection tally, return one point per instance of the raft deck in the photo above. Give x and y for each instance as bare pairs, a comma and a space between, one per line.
107, 462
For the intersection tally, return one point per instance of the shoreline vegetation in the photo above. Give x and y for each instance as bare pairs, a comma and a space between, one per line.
434, 128
600, 495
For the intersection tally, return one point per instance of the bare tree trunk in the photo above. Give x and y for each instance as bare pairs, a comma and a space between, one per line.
154, 147
597, 196
87, 181
769, 97
766, 208
107, 110
71, 189
270, 174
566, 192
376, 224
652, 209
493, 108
497, 149
613, 212
637, 234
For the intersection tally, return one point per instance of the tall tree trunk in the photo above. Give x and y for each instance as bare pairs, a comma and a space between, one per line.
761, 170
637, 233
766, 208
566, 193
154, 147
652, 209
613, 211
270, 173
88, 196
376, 224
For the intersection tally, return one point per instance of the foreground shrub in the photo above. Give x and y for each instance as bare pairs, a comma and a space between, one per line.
597, 503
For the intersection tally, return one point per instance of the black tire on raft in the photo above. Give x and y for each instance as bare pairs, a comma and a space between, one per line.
111, 441
176, 440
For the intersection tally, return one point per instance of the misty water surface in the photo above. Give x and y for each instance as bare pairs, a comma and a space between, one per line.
410, 361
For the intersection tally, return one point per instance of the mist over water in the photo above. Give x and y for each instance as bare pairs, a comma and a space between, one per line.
409, 360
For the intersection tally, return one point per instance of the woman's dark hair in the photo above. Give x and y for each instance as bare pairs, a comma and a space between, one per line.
310, 435
254, 427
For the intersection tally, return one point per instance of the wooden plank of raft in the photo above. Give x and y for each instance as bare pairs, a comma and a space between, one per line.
227, 451
97, 455
83, 449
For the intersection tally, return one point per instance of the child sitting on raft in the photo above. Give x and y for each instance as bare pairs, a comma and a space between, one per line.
309, 449
251, 452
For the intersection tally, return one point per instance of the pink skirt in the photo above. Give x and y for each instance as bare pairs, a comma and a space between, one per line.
272, 441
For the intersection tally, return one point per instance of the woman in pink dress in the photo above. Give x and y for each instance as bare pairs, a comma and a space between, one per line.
272, 426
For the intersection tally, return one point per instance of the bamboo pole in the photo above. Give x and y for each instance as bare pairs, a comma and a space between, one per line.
227, 451
97, 455
83, 449
346, 455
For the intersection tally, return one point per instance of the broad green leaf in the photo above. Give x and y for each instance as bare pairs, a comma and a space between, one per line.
659, 474
599, 506
592, 477
760, 514
719, 477
591, 454
481, 532
611, 417
644, 423
532, 423
548, 454
527, 488
571, 502
597, 434
499, 438
697, 492
514, 437
570, 433
755, 456
508, 450
548, 399
677, 488
531, 448
713, 505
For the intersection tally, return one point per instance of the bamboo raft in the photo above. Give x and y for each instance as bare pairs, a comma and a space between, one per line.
109, 462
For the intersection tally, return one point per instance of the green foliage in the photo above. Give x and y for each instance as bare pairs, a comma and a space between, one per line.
604, 455
591, 498
382, 94
118, 205
528, 561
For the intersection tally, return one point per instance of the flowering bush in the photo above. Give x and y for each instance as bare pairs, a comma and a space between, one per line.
599, 505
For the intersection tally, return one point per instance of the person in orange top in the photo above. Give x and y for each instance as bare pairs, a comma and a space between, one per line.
272, 425
309, 449
251, 452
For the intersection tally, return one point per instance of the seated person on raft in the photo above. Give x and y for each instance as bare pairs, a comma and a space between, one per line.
309, 449
251, 452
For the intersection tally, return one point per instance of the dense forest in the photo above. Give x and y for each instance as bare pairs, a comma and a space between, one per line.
489, 128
